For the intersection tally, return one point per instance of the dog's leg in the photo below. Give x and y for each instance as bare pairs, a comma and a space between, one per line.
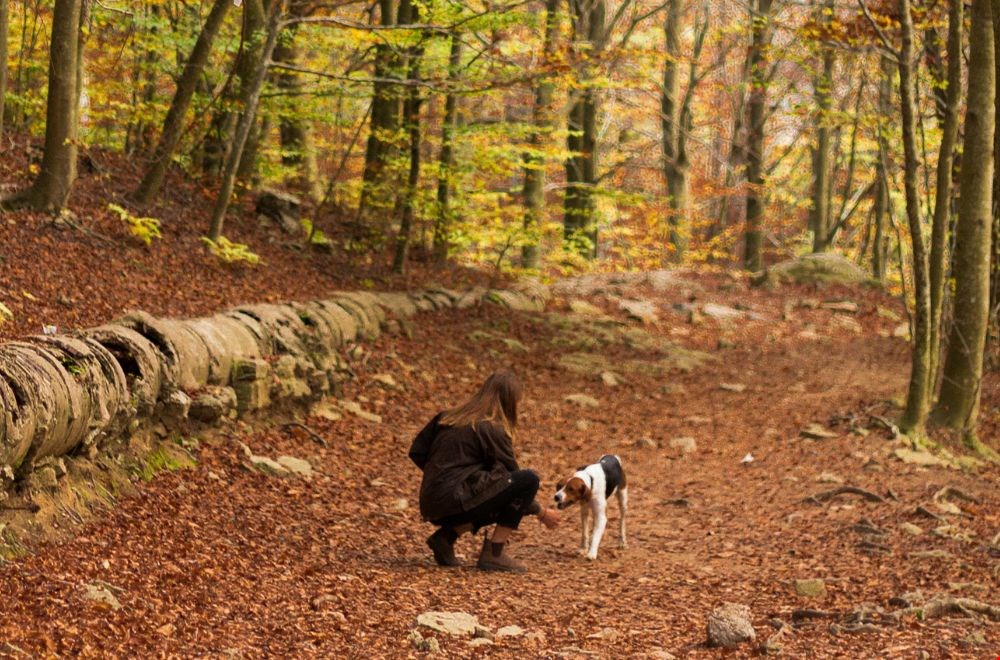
584, 525
622, 508
600, 513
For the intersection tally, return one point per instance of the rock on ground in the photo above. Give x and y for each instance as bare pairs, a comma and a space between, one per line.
729, 625
814, 269
810, 588
451, 623
583, 400
685, 444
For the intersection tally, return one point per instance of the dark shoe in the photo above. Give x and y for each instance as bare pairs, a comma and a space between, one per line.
442, 544
494, 557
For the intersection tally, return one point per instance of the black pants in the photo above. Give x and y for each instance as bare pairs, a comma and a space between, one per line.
506, 508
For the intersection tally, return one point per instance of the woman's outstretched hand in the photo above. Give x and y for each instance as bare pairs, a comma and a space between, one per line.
549, 517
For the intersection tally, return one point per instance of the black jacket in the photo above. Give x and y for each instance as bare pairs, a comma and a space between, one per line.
463, 466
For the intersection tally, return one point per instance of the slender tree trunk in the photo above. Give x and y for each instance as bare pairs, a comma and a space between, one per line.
757, 114
256, 28
295, 131
943, 201
410, 13
958, 404
382, 129
246, 121
580, 210
993, 337
51, 188
4, 26
173, 125
219, 142
534, 163
880, 243
917, 401
446, 159
675, 165
819, 218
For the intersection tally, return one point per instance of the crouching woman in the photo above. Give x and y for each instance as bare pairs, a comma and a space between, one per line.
472, 479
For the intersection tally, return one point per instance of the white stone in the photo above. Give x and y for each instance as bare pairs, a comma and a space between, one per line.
583, 400
451, 623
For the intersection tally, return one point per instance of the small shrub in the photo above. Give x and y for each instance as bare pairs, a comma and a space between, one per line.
145, 229
230, 252
314, 235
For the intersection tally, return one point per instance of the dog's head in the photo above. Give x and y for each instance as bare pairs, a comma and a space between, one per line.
570, 491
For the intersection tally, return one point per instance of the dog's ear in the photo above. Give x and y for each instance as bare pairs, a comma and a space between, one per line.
560, 484
587, 494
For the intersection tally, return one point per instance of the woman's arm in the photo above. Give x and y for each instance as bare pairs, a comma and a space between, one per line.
421, 446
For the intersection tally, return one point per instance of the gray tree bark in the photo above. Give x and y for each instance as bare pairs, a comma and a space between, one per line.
246, 121
958, 403
4, 26
409, 12
541, 119
756, 117
173, 124
446, 159
51, 187
579, 207
880, 243
383, 125
675, 161
952, 96
819, 217
917, 399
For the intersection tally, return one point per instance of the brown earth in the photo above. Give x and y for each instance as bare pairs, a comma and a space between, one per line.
221, 559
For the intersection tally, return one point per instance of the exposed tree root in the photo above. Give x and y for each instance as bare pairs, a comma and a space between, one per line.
315, 437
845, 490
943, 606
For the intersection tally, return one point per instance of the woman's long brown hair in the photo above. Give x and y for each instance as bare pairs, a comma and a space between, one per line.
496, 402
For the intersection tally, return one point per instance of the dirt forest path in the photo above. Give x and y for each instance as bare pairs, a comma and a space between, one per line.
223, 560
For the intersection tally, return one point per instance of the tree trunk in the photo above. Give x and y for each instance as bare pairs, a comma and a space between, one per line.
917, 398
4, 26
958, 404
57, 173
819, 217
297, 148
173, 125
880, 243
675, 162
409, 12
375, 197
246, 121
446, 158
943, 191
756, 116
993, 337
580, 211
219, 142
534, 163
246, 70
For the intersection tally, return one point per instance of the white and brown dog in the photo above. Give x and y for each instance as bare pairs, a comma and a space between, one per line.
591, 486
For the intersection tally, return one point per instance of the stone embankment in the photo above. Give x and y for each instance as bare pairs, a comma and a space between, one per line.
84, 392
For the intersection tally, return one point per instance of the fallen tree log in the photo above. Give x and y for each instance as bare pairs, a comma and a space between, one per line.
138, 358
186, 358
100, 381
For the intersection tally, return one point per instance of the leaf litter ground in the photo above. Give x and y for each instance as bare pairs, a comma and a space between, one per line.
220, 559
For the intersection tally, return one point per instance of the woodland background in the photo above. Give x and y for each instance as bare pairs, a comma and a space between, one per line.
540, 138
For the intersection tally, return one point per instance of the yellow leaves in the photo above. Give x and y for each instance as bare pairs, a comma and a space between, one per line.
5, 314
230, 252
145, 229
